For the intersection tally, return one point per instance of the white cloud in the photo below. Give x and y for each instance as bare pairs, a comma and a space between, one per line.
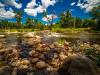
33, 8
47, 3
89, 5
35, 11
6, 14
49, 17
31, 12
1, 4
73, 3
31, 4
12, 3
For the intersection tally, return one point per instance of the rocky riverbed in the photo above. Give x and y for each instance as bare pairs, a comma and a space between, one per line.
39, 55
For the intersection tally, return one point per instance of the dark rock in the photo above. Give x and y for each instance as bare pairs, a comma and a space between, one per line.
5, 70
78, 66
54, 73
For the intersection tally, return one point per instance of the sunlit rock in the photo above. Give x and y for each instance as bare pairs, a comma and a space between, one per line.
55, 63
28, 35
2, 36
62, 56
31, 53
25, 62
52, 46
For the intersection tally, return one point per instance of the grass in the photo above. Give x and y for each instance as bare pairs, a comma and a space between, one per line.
61, 41
2, 63
17, 30
59, 30
69, 30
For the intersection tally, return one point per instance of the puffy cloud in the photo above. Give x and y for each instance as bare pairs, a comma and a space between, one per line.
6, 14
46, 3
49, 17
31, 4
12, 3
89, 5
31, 12
33, 8
40, 9
1, 4
73, 3
35, 11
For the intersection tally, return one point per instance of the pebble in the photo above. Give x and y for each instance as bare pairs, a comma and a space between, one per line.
62, 57
34, 60
52, 46
25, 62
41, 65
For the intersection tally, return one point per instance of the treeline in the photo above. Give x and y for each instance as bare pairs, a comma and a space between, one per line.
66, 21
30, 24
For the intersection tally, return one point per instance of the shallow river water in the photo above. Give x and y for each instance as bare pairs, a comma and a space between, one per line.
17, 38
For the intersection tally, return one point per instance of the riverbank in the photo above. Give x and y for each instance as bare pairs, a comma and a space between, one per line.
58, 30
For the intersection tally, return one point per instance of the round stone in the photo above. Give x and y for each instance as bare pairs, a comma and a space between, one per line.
41, 65
34, 60
25, 62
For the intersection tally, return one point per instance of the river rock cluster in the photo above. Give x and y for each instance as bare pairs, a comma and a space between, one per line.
32, 56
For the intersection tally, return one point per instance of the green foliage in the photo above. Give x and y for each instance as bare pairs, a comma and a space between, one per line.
69, 30
89, 51
95, 14
66, 19
2, 63
93, 54
61, 41
88, 23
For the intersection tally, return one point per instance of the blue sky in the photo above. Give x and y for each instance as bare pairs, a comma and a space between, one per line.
35, 8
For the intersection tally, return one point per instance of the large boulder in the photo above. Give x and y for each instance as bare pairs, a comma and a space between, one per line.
78, 65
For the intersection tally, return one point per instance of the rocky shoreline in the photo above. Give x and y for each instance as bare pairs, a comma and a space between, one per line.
34, 56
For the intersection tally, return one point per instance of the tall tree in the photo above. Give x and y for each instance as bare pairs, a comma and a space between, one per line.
95, 13
18, 18
66, 19
29, 22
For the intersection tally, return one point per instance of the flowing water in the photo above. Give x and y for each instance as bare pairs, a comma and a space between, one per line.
12, 39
